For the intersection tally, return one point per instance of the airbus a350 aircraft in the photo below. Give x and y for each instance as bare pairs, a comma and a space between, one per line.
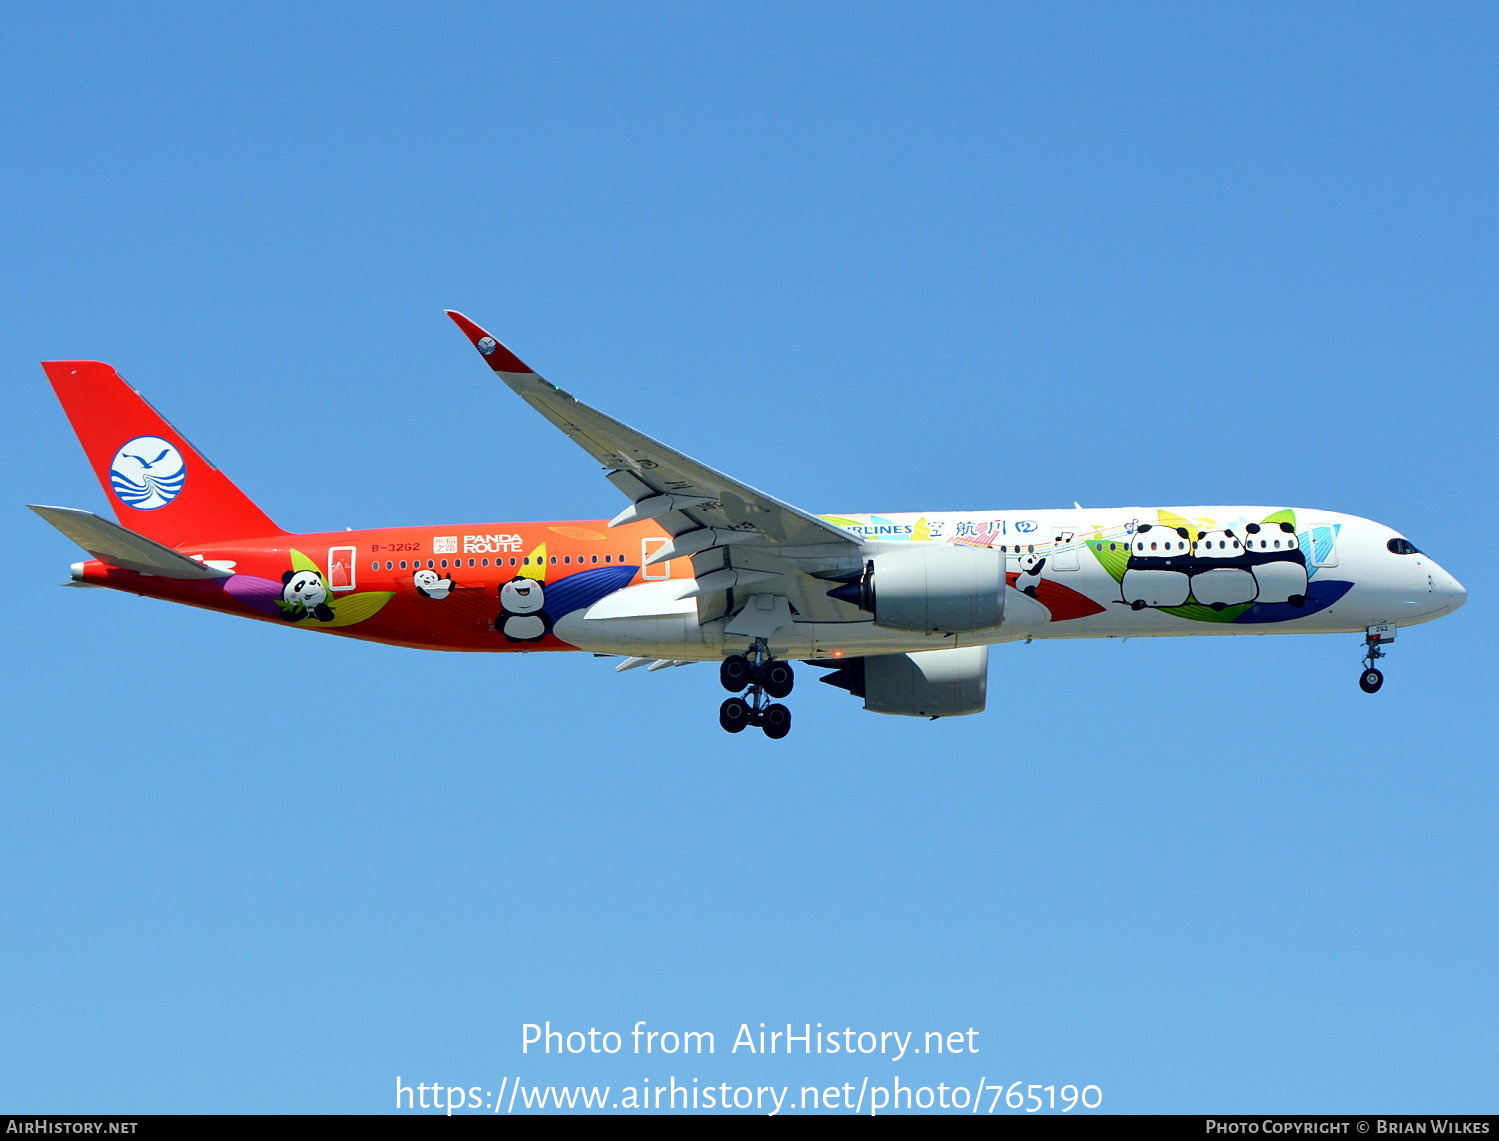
901, 609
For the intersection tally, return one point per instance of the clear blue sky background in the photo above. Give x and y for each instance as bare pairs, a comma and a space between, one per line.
871, 257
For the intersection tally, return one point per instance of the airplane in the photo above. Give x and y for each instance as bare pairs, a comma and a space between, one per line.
899, 609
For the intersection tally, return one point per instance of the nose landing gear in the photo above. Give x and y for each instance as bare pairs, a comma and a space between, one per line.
1375, 639
765, 678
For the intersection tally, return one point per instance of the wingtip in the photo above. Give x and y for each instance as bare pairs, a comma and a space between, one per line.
496, 355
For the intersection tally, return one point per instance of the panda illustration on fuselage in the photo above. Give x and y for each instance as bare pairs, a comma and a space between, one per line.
1277, 562
1029, 580
428, 585
1156, 574
1220, 571
522, 617
304, 594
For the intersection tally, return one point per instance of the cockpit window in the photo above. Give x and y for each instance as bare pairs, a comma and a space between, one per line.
1402, 547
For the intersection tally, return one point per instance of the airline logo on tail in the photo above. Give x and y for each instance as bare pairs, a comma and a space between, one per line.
147, 473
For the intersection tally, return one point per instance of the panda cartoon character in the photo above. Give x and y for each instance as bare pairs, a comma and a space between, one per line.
1277, 561
1031, 567
522, 617
304, 595
1220, 570
428, 585
1156, 574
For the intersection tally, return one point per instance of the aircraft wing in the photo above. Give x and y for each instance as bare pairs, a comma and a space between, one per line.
740, 539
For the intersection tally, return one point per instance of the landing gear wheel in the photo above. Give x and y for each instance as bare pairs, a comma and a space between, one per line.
734, 715
775, 720
1375, 641
778, 679
735, 673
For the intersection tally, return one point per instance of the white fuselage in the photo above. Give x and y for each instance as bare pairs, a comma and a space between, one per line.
1107, 573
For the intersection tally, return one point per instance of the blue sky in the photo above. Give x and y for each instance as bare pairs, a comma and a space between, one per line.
870, 257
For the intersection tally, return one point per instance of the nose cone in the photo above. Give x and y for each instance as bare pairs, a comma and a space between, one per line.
1447, 590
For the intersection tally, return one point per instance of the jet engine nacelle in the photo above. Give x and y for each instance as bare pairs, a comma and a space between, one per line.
931, 587
934, 683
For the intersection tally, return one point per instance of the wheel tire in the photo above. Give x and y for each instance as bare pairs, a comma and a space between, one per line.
1370, 680
735, 673
734, 715
776, 721
778, 678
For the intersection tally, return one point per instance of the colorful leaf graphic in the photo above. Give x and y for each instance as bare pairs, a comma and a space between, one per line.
1196, 612
1114, 561
1320, 594
349, 609
537, 567
577, 591
257, 593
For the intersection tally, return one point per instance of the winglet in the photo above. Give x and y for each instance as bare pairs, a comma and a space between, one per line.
496, 355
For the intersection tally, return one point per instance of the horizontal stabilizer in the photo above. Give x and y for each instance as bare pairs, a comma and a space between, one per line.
110, 543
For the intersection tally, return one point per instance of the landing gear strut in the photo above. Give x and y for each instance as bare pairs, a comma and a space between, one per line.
1375, 639
764, 678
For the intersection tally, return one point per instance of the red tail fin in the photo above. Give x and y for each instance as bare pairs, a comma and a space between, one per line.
159, 485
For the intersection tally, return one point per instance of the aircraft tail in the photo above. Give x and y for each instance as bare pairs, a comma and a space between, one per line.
159, 485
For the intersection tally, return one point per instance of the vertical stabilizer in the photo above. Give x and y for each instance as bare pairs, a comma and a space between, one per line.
159, 485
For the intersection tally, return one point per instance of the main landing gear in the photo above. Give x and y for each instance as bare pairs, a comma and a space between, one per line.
765, 678
1375, 640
